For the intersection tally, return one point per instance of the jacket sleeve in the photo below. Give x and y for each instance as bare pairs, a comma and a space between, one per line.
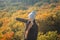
22, 20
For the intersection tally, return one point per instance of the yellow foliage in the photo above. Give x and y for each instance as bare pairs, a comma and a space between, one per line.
42, 14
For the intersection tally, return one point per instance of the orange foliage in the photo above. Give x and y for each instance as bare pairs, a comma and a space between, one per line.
42, 13
5, 23
7, 36
42, 16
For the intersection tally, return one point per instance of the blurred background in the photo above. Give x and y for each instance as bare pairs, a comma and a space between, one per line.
47, 18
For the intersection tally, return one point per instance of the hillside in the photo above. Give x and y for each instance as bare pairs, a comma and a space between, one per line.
47, 18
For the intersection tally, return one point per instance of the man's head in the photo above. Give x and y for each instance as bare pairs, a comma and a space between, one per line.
32, 15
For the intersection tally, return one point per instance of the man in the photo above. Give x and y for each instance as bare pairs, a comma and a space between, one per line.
31, 27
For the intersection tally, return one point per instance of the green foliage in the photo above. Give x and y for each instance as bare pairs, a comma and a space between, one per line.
53, 6
51, 23
1, 23
1, 35
48, 21
48, 36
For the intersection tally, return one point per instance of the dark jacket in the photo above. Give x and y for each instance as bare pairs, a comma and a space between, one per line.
32, 34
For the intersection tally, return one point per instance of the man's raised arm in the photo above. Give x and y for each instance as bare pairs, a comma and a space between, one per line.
22, 20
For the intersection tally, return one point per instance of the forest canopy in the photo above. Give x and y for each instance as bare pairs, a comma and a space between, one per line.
47, 18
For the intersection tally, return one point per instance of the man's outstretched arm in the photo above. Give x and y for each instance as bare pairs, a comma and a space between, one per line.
22, 20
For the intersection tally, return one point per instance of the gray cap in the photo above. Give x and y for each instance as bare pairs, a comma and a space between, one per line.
32, 15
